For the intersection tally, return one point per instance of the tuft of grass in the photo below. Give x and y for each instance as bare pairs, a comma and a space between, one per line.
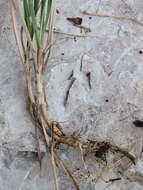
36, 15
34, 46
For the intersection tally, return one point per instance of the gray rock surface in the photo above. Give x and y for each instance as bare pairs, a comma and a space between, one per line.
113, 53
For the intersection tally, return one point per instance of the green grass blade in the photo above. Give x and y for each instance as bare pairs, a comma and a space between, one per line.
36, 6
34, 22
49, 5
42, 15
27, 17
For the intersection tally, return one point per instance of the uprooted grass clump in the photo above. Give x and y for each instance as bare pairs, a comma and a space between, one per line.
34, 46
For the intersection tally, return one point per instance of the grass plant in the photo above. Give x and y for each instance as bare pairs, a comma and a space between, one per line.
34, 45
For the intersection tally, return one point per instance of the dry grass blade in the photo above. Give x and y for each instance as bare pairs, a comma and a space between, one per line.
54, 162
67, 171
54, 167
18, 40
22, 40
38, 146
52, 158
114, 17
46, 136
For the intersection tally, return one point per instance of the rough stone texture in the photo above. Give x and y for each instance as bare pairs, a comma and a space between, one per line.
111, 52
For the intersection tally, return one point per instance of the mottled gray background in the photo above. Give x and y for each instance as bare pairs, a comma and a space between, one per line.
111, 52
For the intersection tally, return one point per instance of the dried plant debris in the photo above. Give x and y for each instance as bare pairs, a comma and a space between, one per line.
88, 75
81, 63
67, 171
138, 123
68, 90
75, 20
114, 17
57, 11
113, 180
71, 75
